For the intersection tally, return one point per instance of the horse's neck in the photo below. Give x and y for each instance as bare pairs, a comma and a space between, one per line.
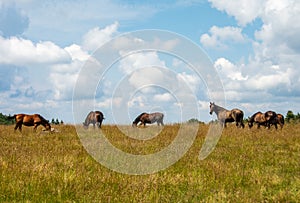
219, 109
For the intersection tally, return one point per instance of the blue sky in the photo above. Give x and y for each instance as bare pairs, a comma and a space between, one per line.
253, 46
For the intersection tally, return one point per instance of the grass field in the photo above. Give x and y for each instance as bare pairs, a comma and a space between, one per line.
246, 166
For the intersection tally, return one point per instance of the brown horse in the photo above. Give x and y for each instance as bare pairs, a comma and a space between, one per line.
149, 118
265, 119
30, 120
225, 116
258, 118
95, 118
278, 120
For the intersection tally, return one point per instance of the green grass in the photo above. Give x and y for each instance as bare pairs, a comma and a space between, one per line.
246, 166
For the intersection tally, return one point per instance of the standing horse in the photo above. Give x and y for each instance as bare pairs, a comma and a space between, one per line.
94, 117
225, 116
149, 118
30, 120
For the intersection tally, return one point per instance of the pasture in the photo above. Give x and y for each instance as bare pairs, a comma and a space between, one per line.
246, 166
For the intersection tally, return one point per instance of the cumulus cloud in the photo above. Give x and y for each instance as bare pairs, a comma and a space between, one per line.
219, 37
22, 52
270, 75
140, 60
96, 37
228, 69
244, 11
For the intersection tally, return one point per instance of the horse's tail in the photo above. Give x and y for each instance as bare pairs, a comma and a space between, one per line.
138, 118
238, 115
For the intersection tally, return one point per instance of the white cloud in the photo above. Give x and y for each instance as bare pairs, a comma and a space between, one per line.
219, 37
192, 81
96, 37
228, 69
244, 11
165, 97
22, 52
271, 73
77, 53
140, 60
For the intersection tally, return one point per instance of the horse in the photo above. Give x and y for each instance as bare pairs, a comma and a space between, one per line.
30, 120
265, 119
258, 118
271, 118
278, 120
94, 117
149, 118
225, 116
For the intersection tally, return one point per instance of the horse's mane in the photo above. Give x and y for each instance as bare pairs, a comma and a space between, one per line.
138, 118
253, 116
43, 119
220, 108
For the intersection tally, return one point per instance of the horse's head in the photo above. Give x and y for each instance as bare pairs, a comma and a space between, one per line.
85, 125
211, 107
250, 124
47, 126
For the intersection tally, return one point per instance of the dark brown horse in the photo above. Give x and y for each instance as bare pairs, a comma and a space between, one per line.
225, 116
258, 118
30, 120
278, 120
265, 119
95, 118
149, 118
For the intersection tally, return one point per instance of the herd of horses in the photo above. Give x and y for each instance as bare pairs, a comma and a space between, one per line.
224, 116
266, 119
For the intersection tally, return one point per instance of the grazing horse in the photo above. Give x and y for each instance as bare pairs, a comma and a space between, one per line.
94, 117
30, 120
225, 116
258, 118
271, 118
149, 118
278, 120
265, 119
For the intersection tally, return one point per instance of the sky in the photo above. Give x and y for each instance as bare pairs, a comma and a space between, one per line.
51, 52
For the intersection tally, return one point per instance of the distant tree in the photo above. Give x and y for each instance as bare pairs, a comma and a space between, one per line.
290, 116
4, 120
56, 122
53, 121
194, 120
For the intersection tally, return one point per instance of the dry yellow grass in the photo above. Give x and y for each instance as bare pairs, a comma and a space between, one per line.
246, 166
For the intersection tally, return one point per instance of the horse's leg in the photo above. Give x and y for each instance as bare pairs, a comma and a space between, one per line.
17, 126
35, 127
275, 126
258, 126
100, 123
242, 124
